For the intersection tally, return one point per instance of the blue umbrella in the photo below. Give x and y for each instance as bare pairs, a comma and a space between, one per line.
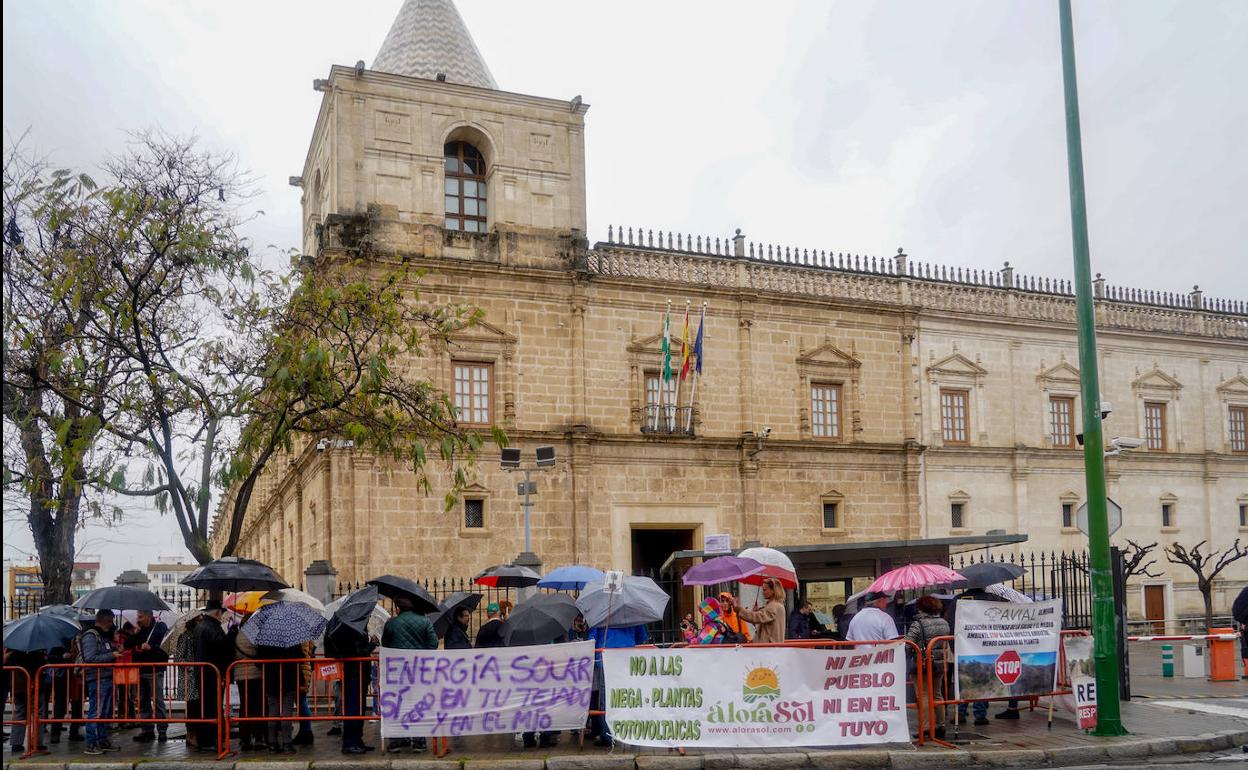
284, 624
573, 577
39, 631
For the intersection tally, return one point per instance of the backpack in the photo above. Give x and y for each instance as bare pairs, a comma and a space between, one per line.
75, 647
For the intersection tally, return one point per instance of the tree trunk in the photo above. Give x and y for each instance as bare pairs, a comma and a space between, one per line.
1206, 590
54, 541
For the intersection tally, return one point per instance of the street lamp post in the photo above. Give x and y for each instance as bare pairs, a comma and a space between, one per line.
1104, 635
544, 457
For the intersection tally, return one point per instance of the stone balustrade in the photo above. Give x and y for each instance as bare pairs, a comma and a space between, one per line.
698, 259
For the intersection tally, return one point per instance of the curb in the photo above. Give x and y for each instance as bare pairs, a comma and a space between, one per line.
855, 759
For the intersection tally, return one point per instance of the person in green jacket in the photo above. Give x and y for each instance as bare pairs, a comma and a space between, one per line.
408, 630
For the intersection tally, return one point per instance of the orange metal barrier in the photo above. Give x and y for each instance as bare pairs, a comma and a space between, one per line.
269, 691
125, 682
944, 701
11, 673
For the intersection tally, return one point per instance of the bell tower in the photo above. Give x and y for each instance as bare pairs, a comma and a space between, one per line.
426, 144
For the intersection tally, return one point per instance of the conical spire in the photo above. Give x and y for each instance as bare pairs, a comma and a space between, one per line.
429, 38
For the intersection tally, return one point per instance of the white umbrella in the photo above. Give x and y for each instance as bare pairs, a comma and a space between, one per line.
1008, 593
297, 596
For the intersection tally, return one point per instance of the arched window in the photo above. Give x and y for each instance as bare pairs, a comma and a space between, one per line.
465, 188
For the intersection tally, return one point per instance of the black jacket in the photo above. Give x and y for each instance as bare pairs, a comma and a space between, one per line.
213, 645
457, 638
152, 637
490, 634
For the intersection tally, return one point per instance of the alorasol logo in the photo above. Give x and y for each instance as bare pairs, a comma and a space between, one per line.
761, 683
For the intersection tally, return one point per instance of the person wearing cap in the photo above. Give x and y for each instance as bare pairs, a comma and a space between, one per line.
216, 648
872, 622
490, 634
96, 646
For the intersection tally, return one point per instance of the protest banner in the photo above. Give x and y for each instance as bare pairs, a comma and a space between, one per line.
756, 696
475, 692
1006, 649
1081, 670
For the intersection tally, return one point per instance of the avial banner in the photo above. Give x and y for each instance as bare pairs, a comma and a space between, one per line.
757, 696
475, 692
1006, 649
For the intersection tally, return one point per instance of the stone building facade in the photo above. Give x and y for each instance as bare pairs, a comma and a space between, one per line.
845, 401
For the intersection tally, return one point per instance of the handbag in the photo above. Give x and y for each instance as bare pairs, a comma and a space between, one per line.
125, 675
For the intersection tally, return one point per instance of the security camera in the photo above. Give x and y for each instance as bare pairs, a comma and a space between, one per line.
1126, 442
766, 431
1106, 409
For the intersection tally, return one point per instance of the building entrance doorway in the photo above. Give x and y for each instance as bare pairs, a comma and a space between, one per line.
1155, 607
651, 547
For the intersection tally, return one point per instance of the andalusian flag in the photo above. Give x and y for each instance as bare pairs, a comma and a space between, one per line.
684, 347
667, 346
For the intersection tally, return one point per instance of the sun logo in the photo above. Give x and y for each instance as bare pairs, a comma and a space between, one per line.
761, 683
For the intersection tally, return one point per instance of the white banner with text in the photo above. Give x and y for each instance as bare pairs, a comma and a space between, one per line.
1006, 649
756, 696
476, 692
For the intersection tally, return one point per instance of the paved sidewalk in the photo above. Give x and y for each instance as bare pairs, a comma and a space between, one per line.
1156, 731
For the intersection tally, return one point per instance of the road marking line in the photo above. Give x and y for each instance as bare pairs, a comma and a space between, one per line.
1208, 708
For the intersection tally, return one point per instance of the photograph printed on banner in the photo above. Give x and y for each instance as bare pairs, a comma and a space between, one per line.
1006, 649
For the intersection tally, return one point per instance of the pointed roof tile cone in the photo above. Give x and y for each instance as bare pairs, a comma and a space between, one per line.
429, 38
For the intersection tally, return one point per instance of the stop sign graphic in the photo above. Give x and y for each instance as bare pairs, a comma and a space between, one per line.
1009, 667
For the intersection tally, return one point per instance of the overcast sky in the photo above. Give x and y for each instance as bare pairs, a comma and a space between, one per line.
847, 126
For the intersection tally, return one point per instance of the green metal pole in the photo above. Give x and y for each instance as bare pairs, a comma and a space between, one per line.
1104, 632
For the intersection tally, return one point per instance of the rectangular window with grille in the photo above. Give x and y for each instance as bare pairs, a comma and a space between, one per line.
825, 410
1068, 515
1167, 514
474, 392
1062, 421
957, 515
1155, 425
1239, 428
1243, 514
954, 420
661, 402
831, 515
474, 513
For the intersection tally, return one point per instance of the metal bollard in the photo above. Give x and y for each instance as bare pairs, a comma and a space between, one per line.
1167, 660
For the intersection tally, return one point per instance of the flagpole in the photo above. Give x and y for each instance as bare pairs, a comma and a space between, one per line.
665, 365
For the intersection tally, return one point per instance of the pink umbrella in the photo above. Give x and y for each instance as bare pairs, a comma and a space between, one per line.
914, 576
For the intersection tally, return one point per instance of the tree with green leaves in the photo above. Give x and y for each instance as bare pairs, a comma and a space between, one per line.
55, 444
227, 361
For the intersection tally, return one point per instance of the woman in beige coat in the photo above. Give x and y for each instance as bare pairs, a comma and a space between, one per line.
769, 620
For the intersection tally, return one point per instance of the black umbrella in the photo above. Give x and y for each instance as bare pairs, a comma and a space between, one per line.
507, 576
39, 631
121, 598
393, 586
1239, 610
451, 605
69, 612
232, 573
354, 612
539, 620
989, 572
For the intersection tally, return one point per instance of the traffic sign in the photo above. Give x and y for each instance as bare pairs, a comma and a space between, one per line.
1113, 509
1009, 667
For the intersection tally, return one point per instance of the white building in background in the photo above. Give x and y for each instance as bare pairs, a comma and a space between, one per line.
165, 579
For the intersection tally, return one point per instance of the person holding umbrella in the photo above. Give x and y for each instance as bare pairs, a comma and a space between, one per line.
23, 706
872, 621
346, 636
457, 633
216, 648
768, 620
96, 646
145, 648
408, 630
